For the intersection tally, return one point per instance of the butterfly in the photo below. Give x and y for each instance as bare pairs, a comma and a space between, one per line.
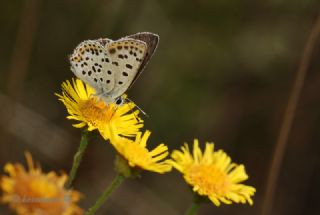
111, 67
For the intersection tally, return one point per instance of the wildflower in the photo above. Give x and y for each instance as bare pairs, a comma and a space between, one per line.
212, 174
32, 192
138, 156
83, 106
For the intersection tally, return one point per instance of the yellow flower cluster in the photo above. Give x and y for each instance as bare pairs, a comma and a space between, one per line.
114, 122
210, 173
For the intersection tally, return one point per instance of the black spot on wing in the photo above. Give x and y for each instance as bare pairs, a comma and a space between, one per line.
129, 66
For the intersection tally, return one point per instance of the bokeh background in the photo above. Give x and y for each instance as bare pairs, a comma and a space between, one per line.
223, 72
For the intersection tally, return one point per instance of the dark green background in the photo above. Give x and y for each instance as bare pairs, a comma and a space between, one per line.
222, 72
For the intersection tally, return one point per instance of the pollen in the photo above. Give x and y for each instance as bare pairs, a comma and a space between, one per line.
209, 178
95, 112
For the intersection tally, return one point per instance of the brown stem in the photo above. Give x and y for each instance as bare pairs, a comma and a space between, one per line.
21, 54
282, 140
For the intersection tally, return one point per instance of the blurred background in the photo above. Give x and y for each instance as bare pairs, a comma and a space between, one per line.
223, 72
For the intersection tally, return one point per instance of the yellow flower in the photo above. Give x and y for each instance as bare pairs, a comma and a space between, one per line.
212, 174
85, 107
137, 155
36, 193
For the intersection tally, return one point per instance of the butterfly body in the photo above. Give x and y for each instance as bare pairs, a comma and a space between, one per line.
111, 67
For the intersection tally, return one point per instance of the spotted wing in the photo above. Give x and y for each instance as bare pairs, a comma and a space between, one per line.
152, 41
126, 56
90, 63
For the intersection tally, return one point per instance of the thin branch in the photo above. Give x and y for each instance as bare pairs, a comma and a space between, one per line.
78, 158
21, 54
282, 140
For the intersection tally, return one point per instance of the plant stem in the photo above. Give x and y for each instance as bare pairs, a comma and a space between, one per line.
77, 158
117, 181
287, 121
192, 210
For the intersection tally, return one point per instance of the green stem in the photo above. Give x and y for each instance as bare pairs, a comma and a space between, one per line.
117, 181
192, 210
77, 158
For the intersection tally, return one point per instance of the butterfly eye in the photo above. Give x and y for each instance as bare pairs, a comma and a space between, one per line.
119, 101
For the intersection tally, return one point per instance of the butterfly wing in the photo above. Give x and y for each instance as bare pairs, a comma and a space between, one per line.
111, 67
152, 41
126, 56
90, 63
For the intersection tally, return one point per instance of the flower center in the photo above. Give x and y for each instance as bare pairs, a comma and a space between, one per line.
41, 187
208, 178
35, 191
95, 111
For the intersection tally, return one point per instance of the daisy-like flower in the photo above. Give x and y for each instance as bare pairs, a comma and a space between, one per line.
138, 156
212, 174
83, 106
32, 192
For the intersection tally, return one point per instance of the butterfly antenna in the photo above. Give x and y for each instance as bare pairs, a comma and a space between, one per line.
144, 113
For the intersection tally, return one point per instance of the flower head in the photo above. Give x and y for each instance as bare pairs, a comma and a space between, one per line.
83, 106
32, 192
212, 174
138, 156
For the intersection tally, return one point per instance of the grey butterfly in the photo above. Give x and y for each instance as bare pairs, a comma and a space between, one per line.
111, 67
